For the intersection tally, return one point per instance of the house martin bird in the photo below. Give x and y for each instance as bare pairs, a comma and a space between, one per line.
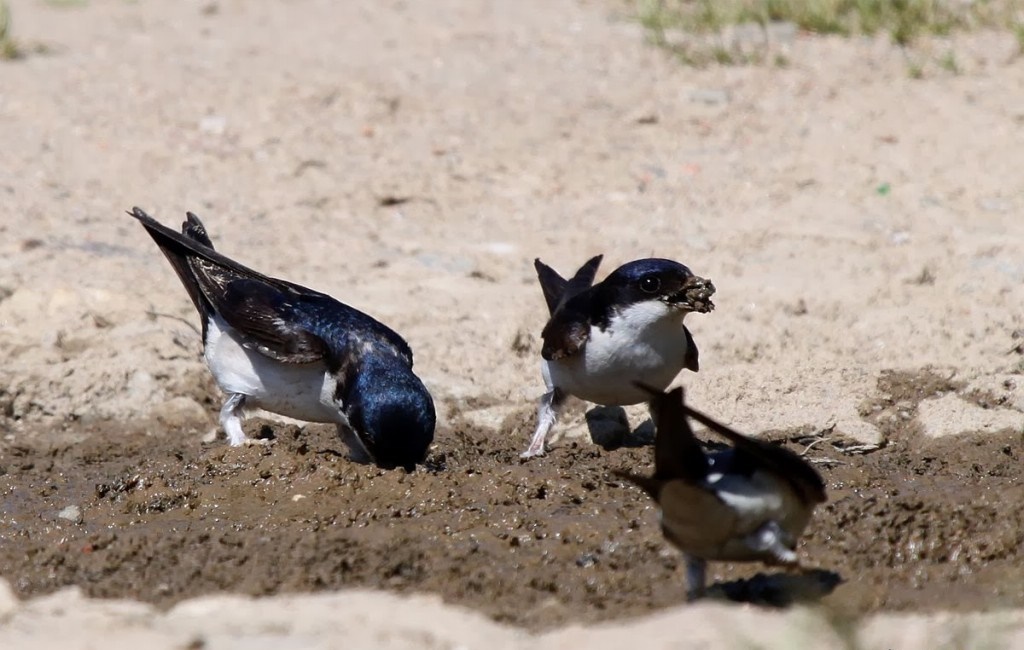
748, 503
283, 348
601, 338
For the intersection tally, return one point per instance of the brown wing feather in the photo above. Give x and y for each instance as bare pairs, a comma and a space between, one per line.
261, 315
564, 335
568, 329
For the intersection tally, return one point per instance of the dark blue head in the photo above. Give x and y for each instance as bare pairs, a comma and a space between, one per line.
658, 279
391, 411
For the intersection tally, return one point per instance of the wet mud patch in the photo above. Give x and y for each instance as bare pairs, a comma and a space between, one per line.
918, 524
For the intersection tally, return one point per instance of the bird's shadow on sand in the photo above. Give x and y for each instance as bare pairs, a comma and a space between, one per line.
609, 429
778, 590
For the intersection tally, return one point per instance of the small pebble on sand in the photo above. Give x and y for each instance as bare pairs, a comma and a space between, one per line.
72, 514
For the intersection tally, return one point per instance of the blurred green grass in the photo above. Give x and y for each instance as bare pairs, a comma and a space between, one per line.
11, 49
702, 31
8, 46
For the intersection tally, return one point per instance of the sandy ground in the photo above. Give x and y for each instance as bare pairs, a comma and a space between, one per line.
863, 230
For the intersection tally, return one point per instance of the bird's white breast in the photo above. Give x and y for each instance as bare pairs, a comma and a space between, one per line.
301, 391
644, 342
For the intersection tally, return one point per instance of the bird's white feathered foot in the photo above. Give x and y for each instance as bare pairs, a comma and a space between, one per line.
547, 413
770, 538
231, 416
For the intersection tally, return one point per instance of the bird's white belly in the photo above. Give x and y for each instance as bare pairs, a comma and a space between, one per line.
300, 391
760, 498
630, 350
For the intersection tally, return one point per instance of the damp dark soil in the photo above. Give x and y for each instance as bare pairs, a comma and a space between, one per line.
916, 525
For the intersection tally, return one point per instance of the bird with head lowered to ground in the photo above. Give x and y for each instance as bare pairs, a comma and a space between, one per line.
602, 338
748, 503
280, 347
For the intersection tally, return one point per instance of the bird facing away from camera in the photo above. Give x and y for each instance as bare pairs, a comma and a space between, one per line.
280, 347
748, 503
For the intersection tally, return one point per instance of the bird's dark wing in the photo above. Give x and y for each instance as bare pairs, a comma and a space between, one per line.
350, 331
760, 454
565, 334
264, 316
557, 289
192, 245
295, 325
267, 313
569, 326
692, 360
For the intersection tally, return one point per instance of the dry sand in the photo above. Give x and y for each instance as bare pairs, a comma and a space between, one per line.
412, 159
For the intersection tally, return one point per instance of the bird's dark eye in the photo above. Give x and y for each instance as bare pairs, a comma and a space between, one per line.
650, 284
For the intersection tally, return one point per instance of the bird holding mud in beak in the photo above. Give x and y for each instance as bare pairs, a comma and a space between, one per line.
280, 347
748, 503
602, 338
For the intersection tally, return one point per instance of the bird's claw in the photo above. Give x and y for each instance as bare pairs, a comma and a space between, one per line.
257, 442
532, 453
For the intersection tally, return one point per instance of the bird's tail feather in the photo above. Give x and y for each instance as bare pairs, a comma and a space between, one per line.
177, 248
552, 284
194, 229
557, 289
